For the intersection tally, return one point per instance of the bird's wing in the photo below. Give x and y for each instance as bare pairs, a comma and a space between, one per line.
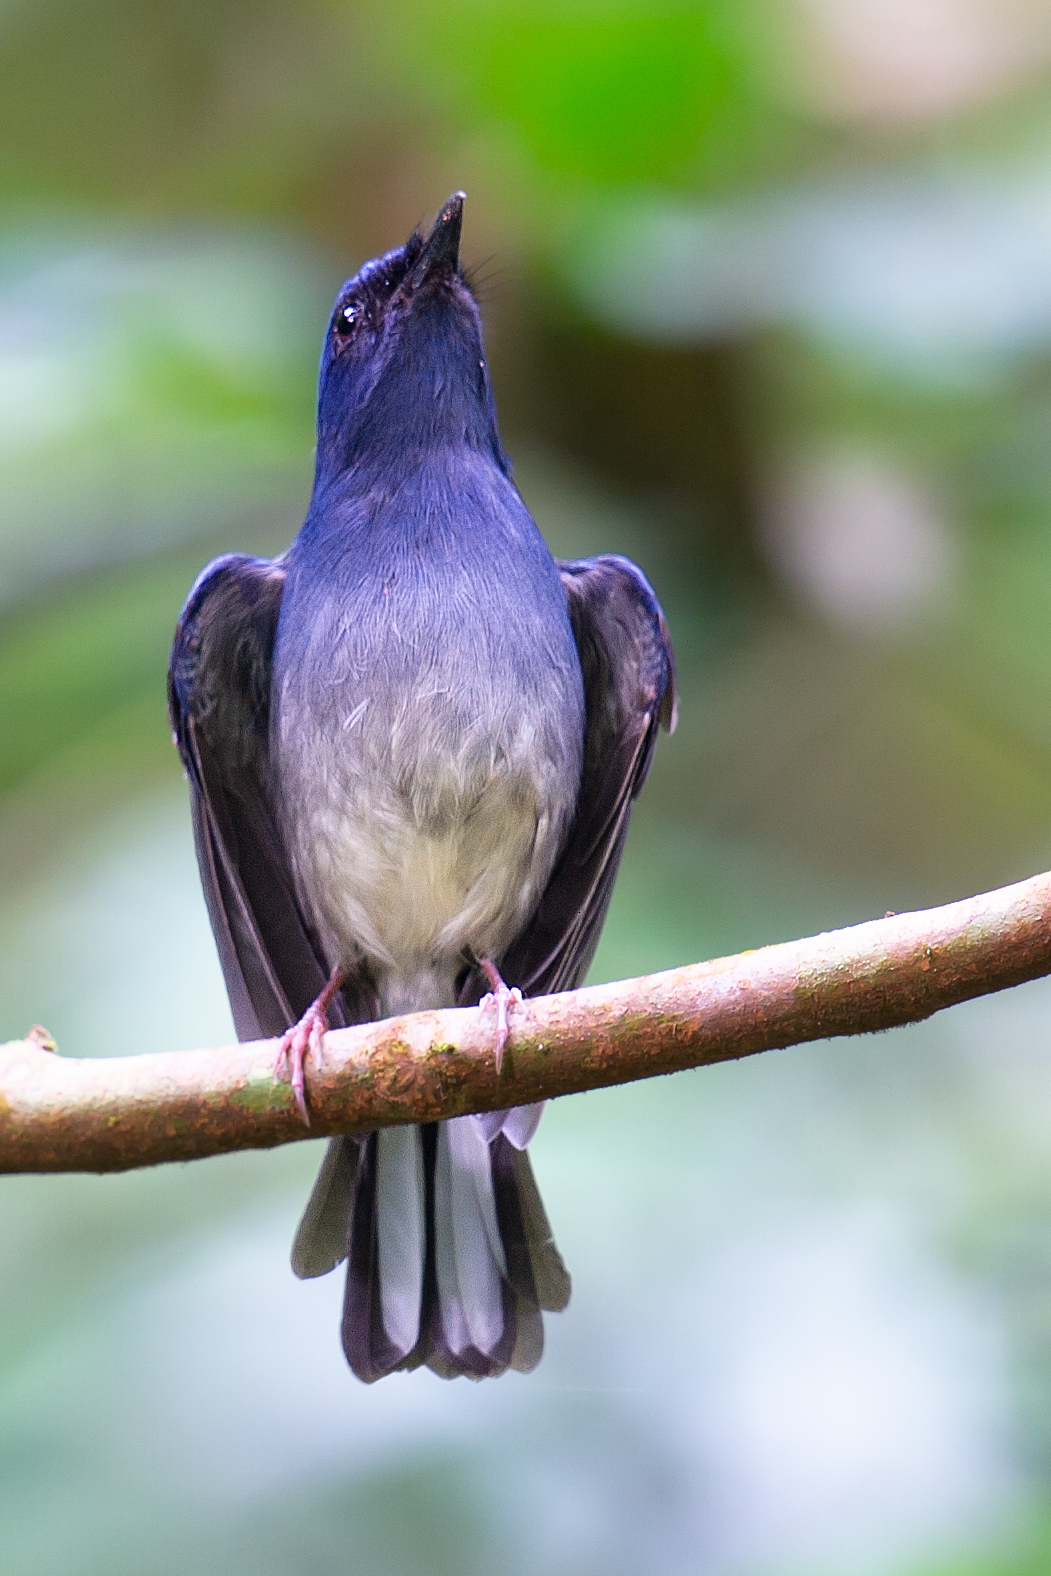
629, 691
219, 703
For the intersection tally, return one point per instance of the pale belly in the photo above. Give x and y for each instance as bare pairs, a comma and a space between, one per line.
427, 748
419, 877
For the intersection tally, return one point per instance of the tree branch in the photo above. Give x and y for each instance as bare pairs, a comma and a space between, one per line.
59, 1114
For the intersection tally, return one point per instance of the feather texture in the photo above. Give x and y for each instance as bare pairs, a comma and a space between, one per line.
412, 742
401, 1238
321, 1238
450, 1260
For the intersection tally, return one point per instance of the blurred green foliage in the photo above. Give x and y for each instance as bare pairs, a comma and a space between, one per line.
251, 107
610, 94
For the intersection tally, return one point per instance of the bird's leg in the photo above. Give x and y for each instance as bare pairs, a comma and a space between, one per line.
304, 1036
505, 997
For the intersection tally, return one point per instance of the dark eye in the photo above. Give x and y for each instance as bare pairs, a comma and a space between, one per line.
346, 318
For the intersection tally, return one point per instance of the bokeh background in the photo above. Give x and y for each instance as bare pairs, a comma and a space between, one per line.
768, 291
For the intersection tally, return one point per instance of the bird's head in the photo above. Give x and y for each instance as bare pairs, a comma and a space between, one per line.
403, 368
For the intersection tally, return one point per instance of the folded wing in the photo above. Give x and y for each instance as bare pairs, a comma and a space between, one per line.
219, 703
629, 690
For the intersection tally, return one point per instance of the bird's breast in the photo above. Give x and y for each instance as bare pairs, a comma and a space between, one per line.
428, 770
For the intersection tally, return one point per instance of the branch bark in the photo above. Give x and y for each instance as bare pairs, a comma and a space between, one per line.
114, 1113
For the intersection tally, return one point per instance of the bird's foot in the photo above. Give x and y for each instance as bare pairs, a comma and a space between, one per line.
305, 1037
505, 997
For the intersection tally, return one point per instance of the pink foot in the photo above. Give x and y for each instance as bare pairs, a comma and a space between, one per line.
306, 1036
505, 997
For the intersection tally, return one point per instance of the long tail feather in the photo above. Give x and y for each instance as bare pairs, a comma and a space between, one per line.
366, 1344
550, 1276
450, 1257
468, 1252
401, 1233
321, 1238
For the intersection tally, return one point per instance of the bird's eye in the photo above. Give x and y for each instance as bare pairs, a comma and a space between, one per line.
345, 320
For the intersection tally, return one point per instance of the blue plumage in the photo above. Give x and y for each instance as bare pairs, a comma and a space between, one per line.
413, 743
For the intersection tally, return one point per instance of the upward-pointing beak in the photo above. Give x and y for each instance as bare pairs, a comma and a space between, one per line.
441, 250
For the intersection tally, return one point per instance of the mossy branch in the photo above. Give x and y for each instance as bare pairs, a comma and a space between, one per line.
111, 1114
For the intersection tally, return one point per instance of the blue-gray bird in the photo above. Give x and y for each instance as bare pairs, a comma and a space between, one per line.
413, 742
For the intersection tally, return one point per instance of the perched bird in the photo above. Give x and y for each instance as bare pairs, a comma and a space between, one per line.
413, 742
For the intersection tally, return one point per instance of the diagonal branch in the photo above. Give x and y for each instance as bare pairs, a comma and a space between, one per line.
59, 1114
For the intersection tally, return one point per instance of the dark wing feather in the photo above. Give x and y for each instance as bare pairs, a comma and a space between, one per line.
629, 691
219, 701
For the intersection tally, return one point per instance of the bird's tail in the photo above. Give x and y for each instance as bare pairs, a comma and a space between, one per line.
450, 1258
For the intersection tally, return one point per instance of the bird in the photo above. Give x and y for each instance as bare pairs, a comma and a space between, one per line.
413, 742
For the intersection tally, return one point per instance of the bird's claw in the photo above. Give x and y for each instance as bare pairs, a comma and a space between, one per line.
304, 1039
505, 997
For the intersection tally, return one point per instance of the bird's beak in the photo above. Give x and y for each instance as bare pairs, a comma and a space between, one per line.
441, 250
